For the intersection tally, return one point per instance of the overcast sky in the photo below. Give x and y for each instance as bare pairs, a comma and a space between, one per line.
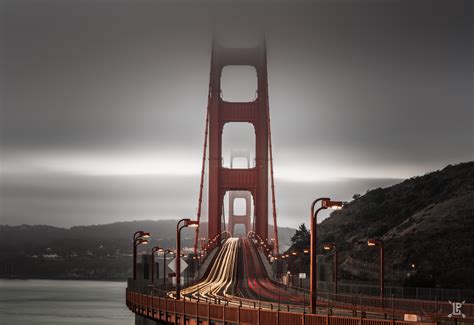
103, 102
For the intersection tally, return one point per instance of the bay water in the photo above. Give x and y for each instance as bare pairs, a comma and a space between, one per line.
54, 302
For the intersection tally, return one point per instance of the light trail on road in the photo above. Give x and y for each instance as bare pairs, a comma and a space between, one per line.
255, 282
220, 279
238, 277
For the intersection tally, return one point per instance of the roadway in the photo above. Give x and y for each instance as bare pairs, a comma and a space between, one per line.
253, 281
238, 277
219, 282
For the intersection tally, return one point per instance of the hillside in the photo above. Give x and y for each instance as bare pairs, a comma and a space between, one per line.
86, 252
426, 223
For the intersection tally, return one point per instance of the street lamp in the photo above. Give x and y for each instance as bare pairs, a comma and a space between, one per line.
326, 203
305, 252
139, 238
153, 251
293, 266
185, 223
329, 247
166, 251
141, 234
379, 243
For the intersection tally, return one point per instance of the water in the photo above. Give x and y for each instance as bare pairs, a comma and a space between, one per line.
54, 302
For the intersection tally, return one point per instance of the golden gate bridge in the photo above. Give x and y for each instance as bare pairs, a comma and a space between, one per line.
233, 282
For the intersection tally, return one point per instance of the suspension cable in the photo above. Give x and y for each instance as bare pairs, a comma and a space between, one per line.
275, 227
201, 186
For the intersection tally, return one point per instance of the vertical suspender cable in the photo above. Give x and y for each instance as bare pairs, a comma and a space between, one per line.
223, 214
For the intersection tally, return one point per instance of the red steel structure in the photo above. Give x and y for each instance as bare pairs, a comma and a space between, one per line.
220, 112
201, 187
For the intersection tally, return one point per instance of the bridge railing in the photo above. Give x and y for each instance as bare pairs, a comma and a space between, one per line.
437, 309
391, 307
179, 311
365, 289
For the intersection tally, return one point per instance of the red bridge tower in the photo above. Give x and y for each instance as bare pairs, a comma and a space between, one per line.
255, 179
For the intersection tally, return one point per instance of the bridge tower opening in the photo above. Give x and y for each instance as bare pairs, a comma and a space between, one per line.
220, 112
239, 214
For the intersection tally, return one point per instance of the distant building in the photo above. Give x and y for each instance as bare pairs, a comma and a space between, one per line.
52, 257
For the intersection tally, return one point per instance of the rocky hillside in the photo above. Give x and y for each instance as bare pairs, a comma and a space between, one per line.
426, 224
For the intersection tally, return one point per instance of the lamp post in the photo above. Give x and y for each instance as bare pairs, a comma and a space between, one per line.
329, 247
196, 264
153, 251
306, 251
326, 203
283, 257
379, 243
293, 266
166, 251
303, 254
185, 223
139, 237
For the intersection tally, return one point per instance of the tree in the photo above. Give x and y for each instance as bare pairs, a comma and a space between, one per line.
301, 241
301, 238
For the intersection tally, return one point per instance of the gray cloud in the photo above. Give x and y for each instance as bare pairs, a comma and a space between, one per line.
68, 200
368, 90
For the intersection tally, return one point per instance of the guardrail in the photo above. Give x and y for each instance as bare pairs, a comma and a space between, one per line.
180, 311
433, 309
436, 310
390, 307
397, 292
